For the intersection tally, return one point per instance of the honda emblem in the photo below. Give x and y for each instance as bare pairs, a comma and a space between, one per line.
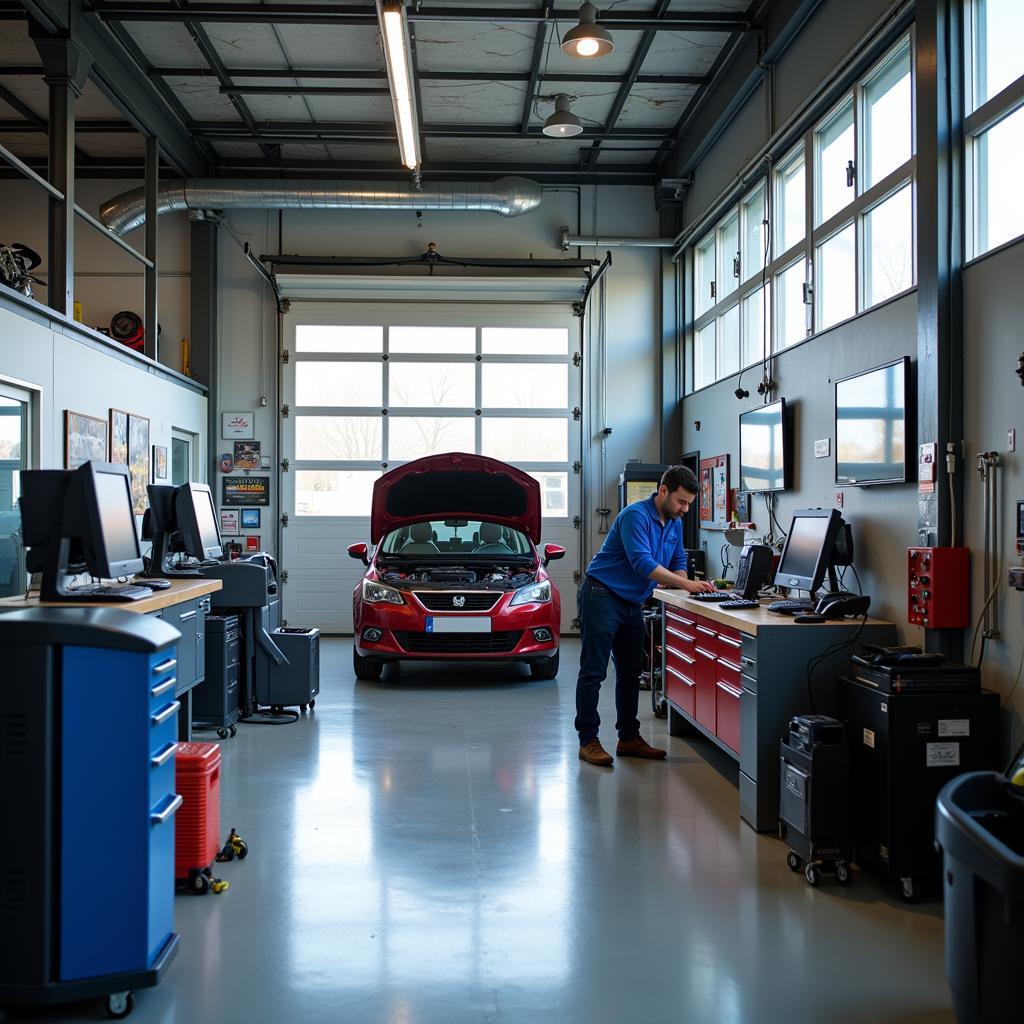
458, 601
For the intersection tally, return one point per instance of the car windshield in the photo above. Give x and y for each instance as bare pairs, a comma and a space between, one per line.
461, 537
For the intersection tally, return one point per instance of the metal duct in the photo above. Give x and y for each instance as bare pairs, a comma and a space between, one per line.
509, 197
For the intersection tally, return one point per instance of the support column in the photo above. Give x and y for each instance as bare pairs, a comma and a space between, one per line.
670, 349
151, 342
204, 322
66, 67
940, 398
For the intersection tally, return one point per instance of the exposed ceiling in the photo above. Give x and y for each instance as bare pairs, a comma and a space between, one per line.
296, 88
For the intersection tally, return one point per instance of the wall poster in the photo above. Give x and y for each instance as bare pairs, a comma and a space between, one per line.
245, 490
714, 491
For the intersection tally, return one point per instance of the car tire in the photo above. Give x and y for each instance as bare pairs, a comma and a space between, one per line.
365, 668
546, 669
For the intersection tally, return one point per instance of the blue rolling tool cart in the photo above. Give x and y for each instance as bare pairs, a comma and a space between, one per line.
87, 800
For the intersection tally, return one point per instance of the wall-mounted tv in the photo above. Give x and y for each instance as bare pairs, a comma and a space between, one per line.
871, 425
765, 462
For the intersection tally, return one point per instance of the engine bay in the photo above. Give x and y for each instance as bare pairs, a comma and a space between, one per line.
457, 577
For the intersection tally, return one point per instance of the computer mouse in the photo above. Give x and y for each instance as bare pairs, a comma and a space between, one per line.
809, 617
155, 584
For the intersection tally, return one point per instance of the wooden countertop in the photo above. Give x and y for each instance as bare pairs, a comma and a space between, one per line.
181, 590
748, 620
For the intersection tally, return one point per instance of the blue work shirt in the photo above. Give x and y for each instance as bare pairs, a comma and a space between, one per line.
635, 546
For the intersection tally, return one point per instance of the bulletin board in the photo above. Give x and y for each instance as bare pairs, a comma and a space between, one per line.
714, 491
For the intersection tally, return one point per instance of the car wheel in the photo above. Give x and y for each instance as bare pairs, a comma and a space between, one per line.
546, 669
365, 668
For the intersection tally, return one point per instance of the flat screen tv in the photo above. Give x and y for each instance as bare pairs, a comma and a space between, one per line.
764, 448
871, 425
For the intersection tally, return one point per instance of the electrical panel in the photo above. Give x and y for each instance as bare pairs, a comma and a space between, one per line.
938, 587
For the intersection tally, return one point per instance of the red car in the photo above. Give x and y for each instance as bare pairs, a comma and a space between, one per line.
455, 573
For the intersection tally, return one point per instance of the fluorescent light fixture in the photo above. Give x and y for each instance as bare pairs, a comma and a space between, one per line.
563, 123
394, 30
587, 38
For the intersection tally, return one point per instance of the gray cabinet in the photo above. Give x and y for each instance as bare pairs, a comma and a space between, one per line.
189, 618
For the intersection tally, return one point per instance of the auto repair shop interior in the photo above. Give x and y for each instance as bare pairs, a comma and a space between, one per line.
334, 337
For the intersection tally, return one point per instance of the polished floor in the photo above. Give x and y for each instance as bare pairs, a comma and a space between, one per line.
429, 850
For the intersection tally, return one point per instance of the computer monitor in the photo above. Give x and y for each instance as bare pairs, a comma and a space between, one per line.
197, 521
99, 499
764, 448
809, 548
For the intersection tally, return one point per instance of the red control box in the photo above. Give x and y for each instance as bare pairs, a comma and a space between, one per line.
938, 587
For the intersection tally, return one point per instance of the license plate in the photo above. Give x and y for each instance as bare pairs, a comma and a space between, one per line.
458, 624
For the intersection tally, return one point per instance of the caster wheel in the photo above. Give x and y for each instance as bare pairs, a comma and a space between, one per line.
910, 891
793, 861
812, 874
843, 875
120, 1004
303, 707
243, 850
222, 733
312, 704
232, 729
199, 884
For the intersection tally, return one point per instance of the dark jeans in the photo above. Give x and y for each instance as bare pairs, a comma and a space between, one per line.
608, 626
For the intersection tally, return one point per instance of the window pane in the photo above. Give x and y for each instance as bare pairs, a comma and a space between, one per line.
834, 145
412, 437
554, 493
334, 492
729, 342
704, 275
999, 154
432, 340
728, 250
336, 338
704, 357
338, 383
754, 234
755, 316
889, 129
998, 29
526, 440
791, 325
432, 385
889, 248
525, 341
338, 437
790, 218
835, 279
526, 386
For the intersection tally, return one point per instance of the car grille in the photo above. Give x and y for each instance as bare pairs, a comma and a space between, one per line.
459, 643
446, 600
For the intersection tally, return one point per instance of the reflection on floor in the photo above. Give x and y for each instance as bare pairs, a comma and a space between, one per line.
430, 849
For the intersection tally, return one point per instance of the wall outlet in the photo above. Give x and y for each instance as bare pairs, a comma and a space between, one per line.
1011, 439
822, 448
839, 499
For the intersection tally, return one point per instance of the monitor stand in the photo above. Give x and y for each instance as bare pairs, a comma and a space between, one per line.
157, 566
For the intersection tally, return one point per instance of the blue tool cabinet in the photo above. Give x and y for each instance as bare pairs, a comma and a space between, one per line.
88, 730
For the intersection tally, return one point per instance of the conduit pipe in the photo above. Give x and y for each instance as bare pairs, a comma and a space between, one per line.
509, 197
568, 240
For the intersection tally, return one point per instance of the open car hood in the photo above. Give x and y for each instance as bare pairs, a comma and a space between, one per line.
456, 485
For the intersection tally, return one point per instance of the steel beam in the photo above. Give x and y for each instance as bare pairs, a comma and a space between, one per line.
531, 89
94, 127
311, 131
151, 327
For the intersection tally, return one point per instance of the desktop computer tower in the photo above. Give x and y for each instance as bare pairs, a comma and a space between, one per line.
215, 699
297, 682
905, 747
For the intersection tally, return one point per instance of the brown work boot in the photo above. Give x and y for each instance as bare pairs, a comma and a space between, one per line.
639, 747
595, 754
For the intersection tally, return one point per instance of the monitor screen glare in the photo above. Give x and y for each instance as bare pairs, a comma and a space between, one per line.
871, 427
762, 449
206, 520
117, 521
803, 549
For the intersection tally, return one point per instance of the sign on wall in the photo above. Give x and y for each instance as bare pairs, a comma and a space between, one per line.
245, 490
237, 424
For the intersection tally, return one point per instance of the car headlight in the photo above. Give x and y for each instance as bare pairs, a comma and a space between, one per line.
377, 593
538, 593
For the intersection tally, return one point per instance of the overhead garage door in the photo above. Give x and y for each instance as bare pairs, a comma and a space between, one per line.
369, 387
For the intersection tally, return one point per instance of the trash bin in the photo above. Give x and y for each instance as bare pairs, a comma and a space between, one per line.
979, 825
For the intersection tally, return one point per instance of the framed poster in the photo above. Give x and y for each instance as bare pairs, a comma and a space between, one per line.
237, 424
85, 438
250, 518
252, 542
159, 462
229, 522
245, 490
138, 460
714, 490
119, 437
247, 455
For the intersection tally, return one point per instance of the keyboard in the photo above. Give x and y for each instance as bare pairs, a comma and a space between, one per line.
790, 607
740, 602
112, 592
713, 595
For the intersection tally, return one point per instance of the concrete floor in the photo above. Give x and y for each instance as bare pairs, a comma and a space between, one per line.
430, 849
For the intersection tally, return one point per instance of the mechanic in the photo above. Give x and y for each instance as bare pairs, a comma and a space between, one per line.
643, 549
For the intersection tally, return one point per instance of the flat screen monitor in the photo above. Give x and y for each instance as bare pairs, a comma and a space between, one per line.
808, 550
871, 425
764, 445
197, 521
99, 510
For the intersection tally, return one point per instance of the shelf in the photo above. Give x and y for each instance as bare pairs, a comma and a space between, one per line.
728, 527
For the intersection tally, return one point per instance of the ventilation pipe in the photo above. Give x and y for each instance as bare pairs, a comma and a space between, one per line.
567, 241
509, 197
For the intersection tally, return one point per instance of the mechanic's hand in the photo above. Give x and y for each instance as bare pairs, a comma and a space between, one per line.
698, 586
